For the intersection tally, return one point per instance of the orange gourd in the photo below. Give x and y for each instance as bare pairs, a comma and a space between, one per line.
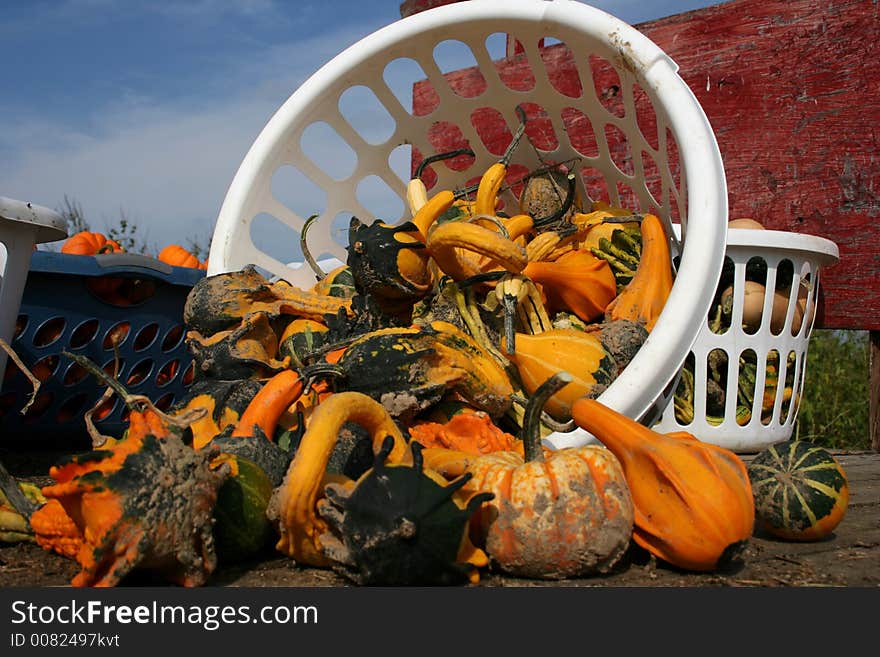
177, 256
540, 356
55, 531
577, 281
269, 404
143, 501
693, 500
470, 431
643, 298
90, 243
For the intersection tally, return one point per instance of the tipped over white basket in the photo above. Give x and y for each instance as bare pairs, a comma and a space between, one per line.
675, 171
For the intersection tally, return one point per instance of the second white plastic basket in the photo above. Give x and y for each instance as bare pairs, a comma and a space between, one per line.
762, 357
641, 140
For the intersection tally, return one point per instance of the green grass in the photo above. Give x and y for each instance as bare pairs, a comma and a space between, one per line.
834, 409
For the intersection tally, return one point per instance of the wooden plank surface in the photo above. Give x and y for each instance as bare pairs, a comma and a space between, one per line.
850, 557
792, 90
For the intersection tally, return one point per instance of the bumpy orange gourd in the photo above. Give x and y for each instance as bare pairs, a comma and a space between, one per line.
55, 531
144, 501
577, 281
470, 431
693, 500
177, 256
90, 243
643, 298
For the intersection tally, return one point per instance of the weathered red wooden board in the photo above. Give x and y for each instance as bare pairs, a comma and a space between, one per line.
792, 90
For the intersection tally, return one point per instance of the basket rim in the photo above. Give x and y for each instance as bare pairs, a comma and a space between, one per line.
826, 250
820, 248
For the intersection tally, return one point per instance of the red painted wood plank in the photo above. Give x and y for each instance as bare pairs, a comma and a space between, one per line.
792, 90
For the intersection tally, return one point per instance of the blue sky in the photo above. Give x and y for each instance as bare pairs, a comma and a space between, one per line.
146, 108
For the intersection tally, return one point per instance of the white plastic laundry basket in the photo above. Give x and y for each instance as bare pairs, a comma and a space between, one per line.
670, 165
779, 343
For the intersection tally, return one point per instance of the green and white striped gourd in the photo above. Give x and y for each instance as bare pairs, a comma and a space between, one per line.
801, 491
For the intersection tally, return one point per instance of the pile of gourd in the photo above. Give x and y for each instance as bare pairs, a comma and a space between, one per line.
387, 422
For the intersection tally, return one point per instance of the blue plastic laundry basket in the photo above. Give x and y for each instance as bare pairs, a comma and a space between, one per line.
69, 303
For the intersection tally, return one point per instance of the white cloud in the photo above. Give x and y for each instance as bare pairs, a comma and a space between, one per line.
167, 172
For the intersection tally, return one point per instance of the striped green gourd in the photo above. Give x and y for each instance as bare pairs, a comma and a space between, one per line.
801, 491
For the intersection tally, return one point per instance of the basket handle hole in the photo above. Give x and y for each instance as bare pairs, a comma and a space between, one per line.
370, 118
167, 372
511, 61
146, 336
172, 338
607, 85
71, 408
49, 332
84, 334
116, 335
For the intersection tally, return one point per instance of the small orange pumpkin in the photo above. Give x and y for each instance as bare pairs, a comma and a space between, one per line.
554, 515
90, 243
177, 256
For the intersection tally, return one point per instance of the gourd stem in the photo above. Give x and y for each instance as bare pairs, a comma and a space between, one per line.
448, 155
464, 192
546, 419
502, 229
320, 274
464, 303
520, 131
482, 277
531, 422
509, 304
35, 382
99, 374
321, 369
14, 495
